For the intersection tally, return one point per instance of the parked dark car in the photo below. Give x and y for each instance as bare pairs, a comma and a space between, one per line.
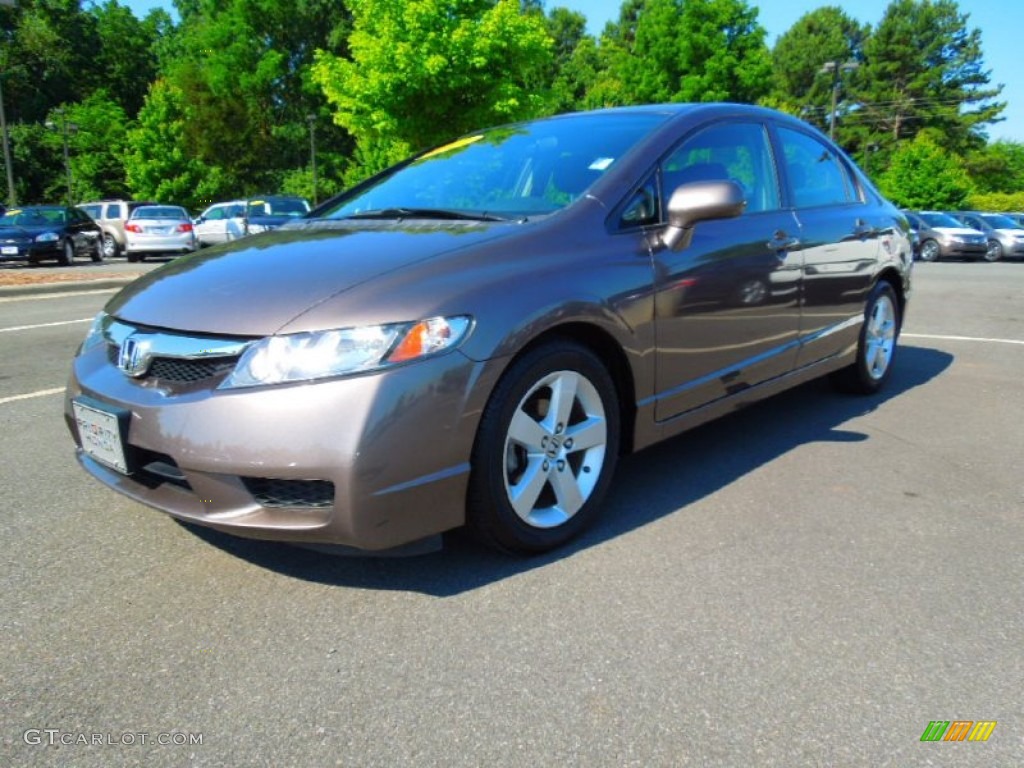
1004, 235
941, 236
37, 233
475, 335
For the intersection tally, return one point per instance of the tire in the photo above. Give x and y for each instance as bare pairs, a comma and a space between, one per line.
97, 251
929, 251
539, 474
876, 349
994, 252
67, 254
133, 257
110, 246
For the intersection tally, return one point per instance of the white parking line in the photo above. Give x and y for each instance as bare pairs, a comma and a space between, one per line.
960, 338
43, 325
30, 395
61, 295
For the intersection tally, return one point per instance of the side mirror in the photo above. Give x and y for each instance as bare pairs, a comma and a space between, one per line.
700, 201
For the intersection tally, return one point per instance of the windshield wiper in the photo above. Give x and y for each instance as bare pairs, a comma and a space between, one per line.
424, 213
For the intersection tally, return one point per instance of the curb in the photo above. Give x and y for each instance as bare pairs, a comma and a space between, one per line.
65, 286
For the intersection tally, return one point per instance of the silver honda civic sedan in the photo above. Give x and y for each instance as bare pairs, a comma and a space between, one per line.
474, 336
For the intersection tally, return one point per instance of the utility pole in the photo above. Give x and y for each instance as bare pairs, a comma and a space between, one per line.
11, 199
835, 68
311, 119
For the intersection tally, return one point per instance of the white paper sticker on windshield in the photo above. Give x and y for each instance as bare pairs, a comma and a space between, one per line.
601, 163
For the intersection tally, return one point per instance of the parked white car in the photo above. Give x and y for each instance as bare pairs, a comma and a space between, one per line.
158, 229
221, 223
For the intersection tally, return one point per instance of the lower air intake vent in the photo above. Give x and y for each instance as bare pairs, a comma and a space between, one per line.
270, 492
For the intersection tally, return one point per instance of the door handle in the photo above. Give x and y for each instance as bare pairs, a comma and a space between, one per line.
782, 243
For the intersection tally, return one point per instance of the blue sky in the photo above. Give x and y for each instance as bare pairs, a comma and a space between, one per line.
1001, 23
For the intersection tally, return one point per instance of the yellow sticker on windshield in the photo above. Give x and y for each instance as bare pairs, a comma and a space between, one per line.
457, 144
14, 211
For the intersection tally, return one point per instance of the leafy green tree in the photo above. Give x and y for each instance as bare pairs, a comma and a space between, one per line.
424, 70
998, 167
677, 50
96, 145
241, 74
923, 68
573, 66
922, 174
159, 166
799, 58
126, 59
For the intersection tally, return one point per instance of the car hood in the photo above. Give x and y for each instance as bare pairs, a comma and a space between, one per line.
957, 231
255, 286
22, 233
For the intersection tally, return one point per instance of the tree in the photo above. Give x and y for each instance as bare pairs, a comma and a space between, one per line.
425, 70
677, 50
922, 174
998, 167
923, 68
240, 75
126, 59
158, 164
824, 35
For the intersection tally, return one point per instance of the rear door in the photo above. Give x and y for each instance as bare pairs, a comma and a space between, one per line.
840, 243
727, 305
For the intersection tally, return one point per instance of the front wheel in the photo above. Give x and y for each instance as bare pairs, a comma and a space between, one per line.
67, 254
877, 346
994, 252
545, 451
97, 251
929, 250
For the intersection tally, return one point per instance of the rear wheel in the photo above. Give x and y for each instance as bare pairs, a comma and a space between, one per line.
545, 451
877, 346
110, 248
132, 256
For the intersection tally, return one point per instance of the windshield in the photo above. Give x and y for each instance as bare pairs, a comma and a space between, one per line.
1000, 221
32, 217
282, 207
941, 220
512, 171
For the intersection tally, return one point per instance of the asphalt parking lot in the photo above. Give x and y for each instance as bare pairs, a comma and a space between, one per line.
809, 582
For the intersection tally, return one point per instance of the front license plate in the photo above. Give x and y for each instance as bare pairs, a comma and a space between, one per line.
9, 250
101, 436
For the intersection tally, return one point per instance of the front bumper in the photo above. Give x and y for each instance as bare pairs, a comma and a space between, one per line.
392, 448
32, 251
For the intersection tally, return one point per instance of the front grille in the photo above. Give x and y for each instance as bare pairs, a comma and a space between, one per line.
180, 370
273, 492
185, 371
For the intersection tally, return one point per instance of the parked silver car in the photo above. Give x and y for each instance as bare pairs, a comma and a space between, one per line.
158, 229
1004, 235
475, 336
941, 237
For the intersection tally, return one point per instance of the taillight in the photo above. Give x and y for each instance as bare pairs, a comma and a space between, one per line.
184, 227
133, 228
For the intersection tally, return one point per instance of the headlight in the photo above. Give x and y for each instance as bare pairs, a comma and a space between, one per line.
319, 355
47, 237
94, 336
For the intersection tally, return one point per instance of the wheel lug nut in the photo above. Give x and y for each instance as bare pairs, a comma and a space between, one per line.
559, 428
560, 465
546, 466
568, 444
